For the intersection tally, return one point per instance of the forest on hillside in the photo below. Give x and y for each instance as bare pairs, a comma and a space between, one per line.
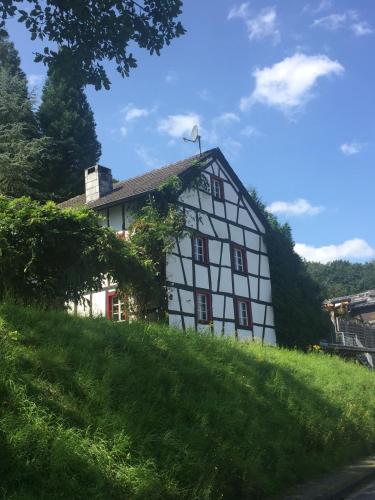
341, 277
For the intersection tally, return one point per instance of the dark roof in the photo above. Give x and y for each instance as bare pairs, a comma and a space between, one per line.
139, 185
150, 181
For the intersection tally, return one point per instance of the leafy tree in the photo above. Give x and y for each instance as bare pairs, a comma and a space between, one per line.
297, 298
88, 32
24, 153
66, 117
49, 255
341, 277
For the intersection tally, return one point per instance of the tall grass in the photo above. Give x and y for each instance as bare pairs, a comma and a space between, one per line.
91, 409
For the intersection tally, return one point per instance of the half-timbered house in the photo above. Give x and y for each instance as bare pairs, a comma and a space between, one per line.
218, 276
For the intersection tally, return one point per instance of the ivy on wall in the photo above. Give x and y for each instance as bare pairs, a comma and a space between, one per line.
158, 222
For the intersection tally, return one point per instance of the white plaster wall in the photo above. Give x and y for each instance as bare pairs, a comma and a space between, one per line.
265, 290
115, 217
236, 234
190, 198
258, 332
258, 312
174, 270
240, 286
187, 301
264, 266
206, 202
191, 218
225, 260
244, 334
229, 329
231, 212
188, 266
201, 276
252, 262
82, 309
229, 193
173, 303
214, 251
252, 240
204, 225
221, 228
215, 168
270, 319
214, 277
217, 305
99, 303
218, 325
175, 320
189, 322
254, 287
226, 280
219, 208
270, 336
185, 246
245, 219
229, 310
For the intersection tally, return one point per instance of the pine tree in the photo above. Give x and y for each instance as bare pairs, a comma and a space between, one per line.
66, 117
23, 152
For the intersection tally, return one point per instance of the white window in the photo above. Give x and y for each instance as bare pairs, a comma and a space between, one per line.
238, 260
203, 307
200, 249
244, 313
217, 188
117, 305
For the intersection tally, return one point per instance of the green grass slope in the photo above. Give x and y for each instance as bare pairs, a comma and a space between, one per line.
90, 409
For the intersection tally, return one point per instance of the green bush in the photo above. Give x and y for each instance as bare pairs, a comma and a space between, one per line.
92, 409
49, 255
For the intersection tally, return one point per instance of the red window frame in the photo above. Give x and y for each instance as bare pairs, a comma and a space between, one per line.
221, 184
244, 258
110, 296
205, 249
209, 306
249, 325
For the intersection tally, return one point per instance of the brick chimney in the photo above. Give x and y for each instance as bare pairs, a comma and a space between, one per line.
98, 182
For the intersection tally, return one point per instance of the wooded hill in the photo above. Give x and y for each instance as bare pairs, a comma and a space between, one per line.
340, 277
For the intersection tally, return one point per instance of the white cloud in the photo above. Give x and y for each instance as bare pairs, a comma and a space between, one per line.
123, 131
297, 207
362, 29
231, 147
352, 148
35, 80
348, 19
332, 22
171, 77
147, 157
179, 125
287, 85
205, 95
250, 131
226, 118
355, 249
260, 26
131, 112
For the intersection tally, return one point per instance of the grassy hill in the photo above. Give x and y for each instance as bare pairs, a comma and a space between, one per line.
90, 409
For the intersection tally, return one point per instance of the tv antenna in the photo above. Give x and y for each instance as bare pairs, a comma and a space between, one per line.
195, 137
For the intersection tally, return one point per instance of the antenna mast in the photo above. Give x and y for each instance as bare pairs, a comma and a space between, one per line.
195, 137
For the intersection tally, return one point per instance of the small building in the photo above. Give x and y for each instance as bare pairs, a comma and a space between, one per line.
353, 317
219, 276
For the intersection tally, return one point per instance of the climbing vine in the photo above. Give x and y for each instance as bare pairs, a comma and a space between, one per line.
158, 222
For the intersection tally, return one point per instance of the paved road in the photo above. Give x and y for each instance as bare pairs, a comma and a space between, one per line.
365, 493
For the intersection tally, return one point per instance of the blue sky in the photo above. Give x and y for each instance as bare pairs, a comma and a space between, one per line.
286, 89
